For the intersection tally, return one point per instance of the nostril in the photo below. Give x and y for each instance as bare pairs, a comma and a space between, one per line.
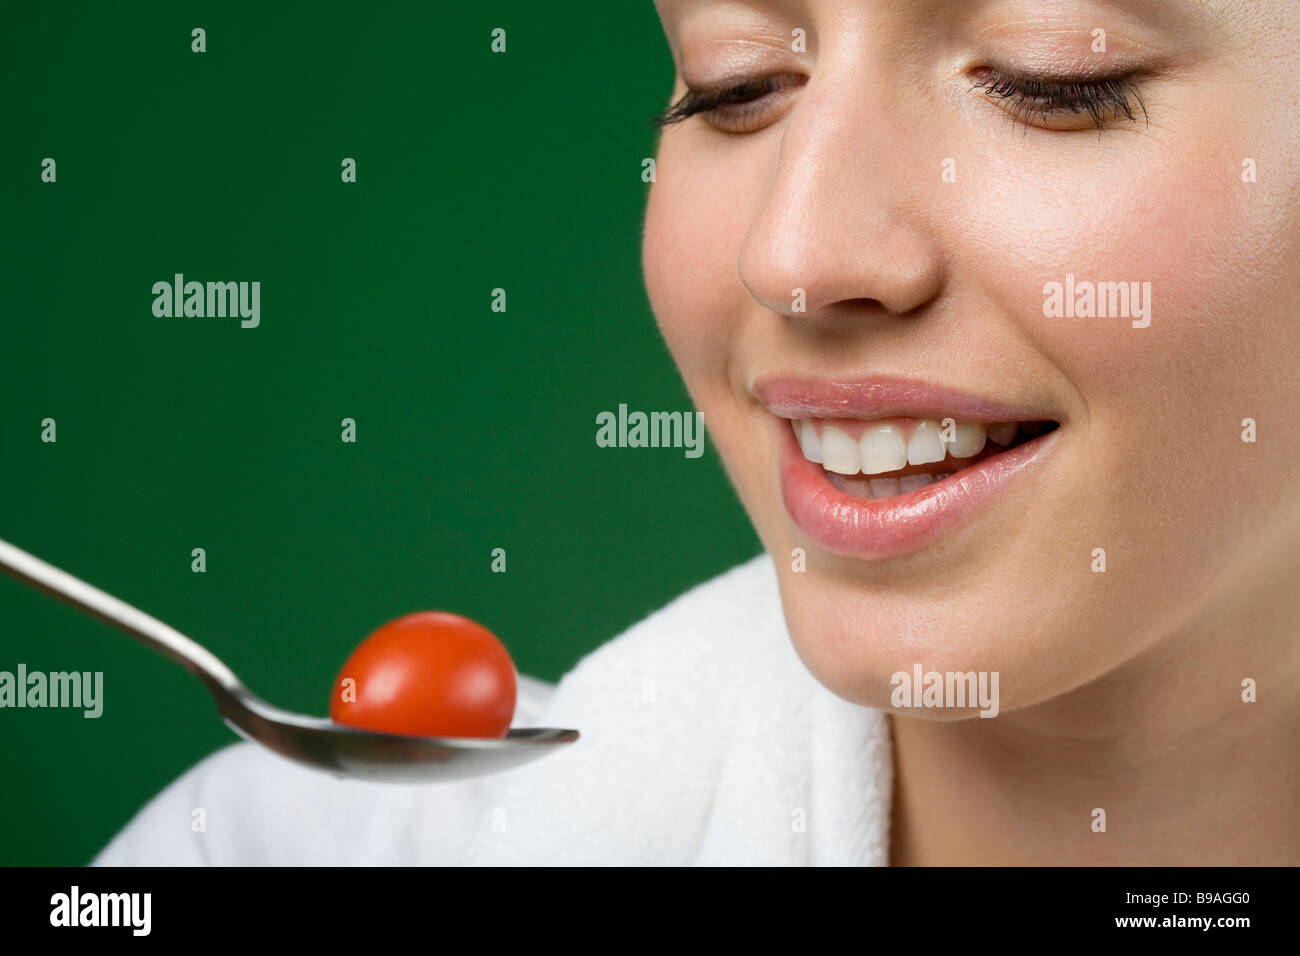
854, 309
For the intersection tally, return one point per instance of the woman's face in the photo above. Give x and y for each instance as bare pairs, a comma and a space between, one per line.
866, 238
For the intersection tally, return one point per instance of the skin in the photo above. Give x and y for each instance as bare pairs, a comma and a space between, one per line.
1119, 690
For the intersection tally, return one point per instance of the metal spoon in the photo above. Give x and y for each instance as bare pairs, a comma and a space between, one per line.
314, 741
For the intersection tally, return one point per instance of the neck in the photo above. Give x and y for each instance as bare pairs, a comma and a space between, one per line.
1184, 769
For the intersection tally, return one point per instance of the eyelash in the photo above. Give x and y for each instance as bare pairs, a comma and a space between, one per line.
1103, 99
1027, 98
741, 98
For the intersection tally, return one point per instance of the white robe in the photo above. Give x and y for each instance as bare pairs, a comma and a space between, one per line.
704, 741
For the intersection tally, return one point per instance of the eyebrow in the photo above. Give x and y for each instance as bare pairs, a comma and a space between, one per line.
1218, 9
1174, 10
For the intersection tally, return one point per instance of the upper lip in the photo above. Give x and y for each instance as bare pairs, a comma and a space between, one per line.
885, 397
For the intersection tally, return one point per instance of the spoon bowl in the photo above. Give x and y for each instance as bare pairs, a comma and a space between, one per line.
313, 741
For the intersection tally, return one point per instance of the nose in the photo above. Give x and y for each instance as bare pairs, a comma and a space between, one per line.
845, 217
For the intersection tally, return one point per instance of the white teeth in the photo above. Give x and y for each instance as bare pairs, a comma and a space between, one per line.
840, 452
879, 487
884, 487
1004, 433
809, 441
967, 440
925, 445
858, 488
913, 483
881, 448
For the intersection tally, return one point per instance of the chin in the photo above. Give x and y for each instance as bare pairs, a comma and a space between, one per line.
854, 640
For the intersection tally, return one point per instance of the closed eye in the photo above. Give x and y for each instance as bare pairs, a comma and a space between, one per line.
1062, 103
742, 107
1044, 102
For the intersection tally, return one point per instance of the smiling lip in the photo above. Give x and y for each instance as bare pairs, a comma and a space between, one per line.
885, 398
884, 528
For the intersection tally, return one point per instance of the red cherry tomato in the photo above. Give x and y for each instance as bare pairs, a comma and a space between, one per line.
430, 674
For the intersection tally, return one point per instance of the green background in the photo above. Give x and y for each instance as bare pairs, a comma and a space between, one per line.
475, 429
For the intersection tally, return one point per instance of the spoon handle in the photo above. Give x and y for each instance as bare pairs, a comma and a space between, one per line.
169, 642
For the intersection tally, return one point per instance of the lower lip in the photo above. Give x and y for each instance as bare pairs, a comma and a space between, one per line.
880, 528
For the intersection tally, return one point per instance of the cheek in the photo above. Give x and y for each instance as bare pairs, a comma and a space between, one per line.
1179, 217
1160, 474
1211, 248
697, 215
680, 261
696, 218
